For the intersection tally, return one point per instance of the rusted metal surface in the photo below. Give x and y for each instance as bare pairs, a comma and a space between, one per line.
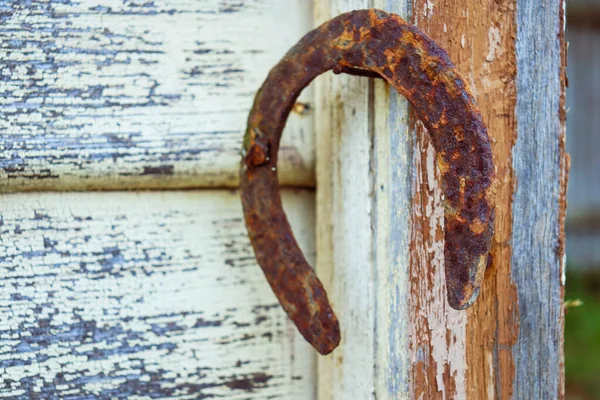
370, 43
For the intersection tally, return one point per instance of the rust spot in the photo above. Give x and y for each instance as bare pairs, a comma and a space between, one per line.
257, 152
459, 134
370, 43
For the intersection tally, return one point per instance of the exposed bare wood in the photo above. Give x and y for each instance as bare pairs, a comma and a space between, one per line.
540, 165
511, 57
470, 351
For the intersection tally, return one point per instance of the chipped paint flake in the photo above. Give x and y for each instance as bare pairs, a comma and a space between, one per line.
428, 8
495, 44
446, 326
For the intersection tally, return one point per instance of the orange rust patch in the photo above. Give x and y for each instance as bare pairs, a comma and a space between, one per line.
443, 166
477, 226
459, 134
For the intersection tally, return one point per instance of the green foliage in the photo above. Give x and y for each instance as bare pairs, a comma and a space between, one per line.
582, 335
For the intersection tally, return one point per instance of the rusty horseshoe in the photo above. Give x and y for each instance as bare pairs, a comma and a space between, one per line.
369, 43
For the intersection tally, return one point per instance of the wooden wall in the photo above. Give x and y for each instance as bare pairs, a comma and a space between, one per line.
126, 292
107, 94
380, 216
131, 293
150, 294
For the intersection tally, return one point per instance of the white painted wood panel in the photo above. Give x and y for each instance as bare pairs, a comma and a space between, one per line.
144, 295
363, 204
111, 94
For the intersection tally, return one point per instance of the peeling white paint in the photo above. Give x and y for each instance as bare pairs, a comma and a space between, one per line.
102, 94
489, 360
428, 8
363, 224
495, 46
141, 294
442, 321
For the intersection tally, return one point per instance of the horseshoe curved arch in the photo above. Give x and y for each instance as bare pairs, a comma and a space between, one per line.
370, 43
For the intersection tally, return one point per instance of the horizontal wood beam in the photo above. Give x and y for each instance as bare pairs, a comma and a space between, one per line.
142, 96
144, 294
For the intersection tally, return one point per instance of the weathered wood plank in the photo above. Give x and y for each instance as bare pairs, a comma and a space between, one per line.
539, 203
363, 152
116, 295
380, 216
344, 238
470, 351
105, 94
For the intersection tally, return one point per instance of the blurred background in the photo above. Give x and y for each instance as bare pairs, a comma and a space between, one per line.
582, 326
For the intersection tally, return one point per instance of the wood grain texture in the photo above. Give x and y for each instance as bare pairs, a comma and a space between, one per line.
515, 328
144, 295
498, 349
363, 199
344, 237
106, 94
470, 352
539, 204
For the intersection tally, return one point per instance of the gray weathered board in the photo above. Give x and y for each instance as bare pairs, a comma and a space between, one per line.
108, 94
148, 294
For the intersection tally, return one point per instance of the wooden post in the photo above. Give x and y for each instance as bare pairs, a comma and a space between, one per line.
380, 215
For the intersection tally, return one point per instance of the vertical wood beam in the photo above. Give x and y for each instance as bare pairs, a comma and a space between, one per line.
469, 352
380, 215
540, 165
363, 201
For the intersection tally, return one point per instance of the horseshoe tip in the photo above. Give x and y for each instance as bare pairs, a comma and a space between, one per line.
461, 302
328, 337
326, 347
